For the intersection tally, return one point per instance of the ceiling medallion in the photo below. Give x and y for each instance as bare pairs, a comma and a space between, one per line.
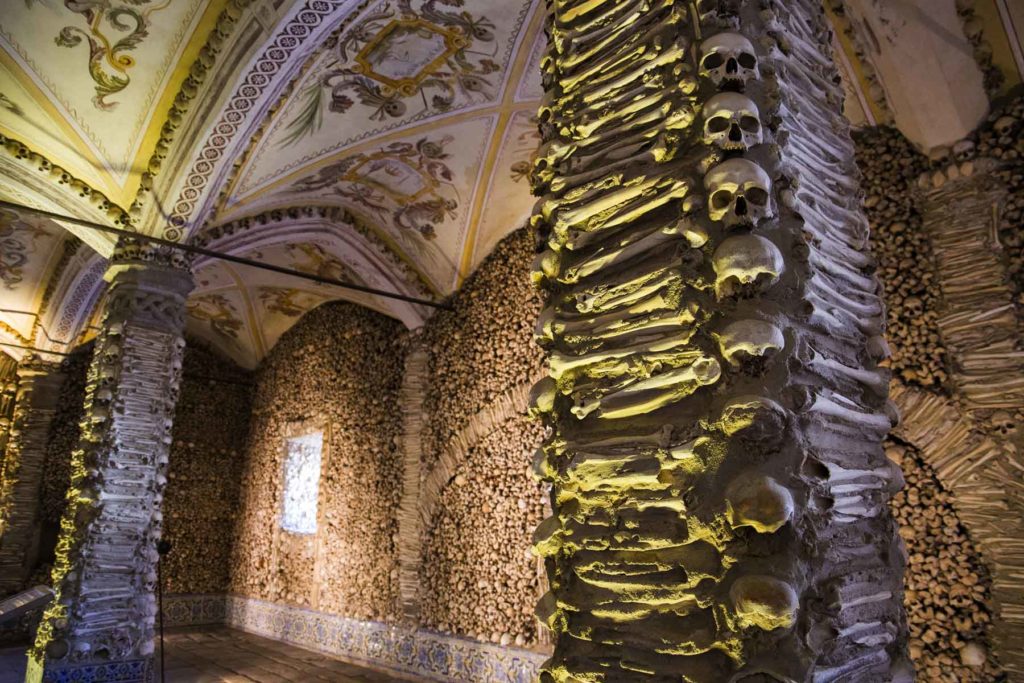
406, 52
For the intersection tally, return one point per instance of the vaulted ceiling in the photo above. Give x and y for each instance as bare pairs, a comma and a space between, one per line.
383, 143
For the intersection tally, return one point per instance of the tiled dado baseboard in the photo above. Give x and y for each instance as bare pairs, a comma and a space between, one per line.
419, 653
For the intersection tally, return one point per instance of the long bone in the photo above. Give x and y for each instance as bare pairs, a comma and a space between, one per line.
813, 84
617, 150
661, 118
568, 32
842, 271
802, 114
617, 256
818, 77
833, 407
561, 364
614, 323
822, 223
655, 90
614, 47
605, 86
658, 438
657, 150
679, 323
615, 375
820, 173
833, 319
823, 285
793, 48
833, 248
827, 203
600, 70
657, 392
823, 366
631, 92
598, 211
637, 112
554, 154
602, 298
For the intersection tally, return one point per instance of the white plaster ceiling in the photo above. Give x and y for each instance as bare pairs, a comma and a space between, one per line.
383, 142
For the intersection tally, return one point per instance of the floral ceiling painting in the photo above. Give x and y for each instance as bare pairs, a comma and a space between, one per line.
243, 311
402, 62
418, 192
30, 252
87, 82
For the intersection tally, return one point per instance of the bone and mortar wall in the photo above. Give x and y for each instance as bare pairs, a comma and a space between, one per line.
948, 585
478, 576
210, 426
201, 500
338, 370
341, 368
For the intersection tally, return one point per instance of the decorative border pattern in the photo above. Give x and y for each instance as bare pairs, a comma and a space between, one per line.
135, 671
200, 68
404, 651
187, 609
273, 59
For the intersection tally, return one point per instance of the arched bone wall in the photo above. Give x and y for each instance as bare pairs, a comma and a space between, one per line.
479, 503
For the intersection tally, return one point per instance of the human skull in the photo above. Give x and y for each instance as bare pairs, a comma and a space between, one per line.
728, 58
1004, 423
758, 502
732, 121
764, 602
739, 193
542, 397
745, 265
745, 340
964, 150
1005, 125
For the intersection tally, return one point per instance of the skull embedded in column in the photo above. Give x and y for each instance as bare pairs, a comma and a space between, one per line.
732, 122
728, 58
746, 265
739, 193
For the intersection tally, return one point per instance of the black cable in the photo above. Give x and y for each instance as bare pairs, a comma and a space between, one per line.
192, 249
162, 548
186, 375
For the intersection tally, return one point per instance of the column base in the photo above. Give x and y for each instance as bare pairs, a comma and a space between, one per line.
128, 671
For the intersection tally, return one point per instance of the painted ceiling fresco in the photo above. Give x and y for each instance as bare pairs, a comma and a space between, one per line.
385, 142
49, 282
242, 311
88, 83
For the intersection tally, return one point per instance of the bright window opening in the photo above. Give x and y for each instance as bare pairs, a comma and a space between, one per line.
301, 483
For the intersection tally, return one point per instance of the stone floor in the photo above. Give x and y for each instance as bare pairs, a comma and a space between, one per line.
221, 654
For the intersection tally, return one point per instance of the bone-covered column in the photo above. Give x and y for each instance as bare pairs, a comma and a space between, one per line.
714, 333
38, 389
105, 570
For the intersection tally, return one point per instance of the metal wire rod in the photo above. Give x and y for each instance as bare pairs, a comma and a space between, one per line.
33, 349
189, 375
192, 249
41, 326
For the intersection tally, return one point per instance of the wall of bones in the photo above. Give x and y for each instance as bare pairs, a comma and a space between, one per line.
477, 502
338, 371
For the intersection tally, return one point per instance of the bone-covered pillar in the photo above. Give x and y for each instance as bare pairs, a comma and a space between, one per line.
100, 626
714, 333
38, 389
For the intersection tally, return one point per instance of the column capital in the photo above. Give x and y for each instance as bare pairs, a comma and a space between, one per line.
148, 285
34, 365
